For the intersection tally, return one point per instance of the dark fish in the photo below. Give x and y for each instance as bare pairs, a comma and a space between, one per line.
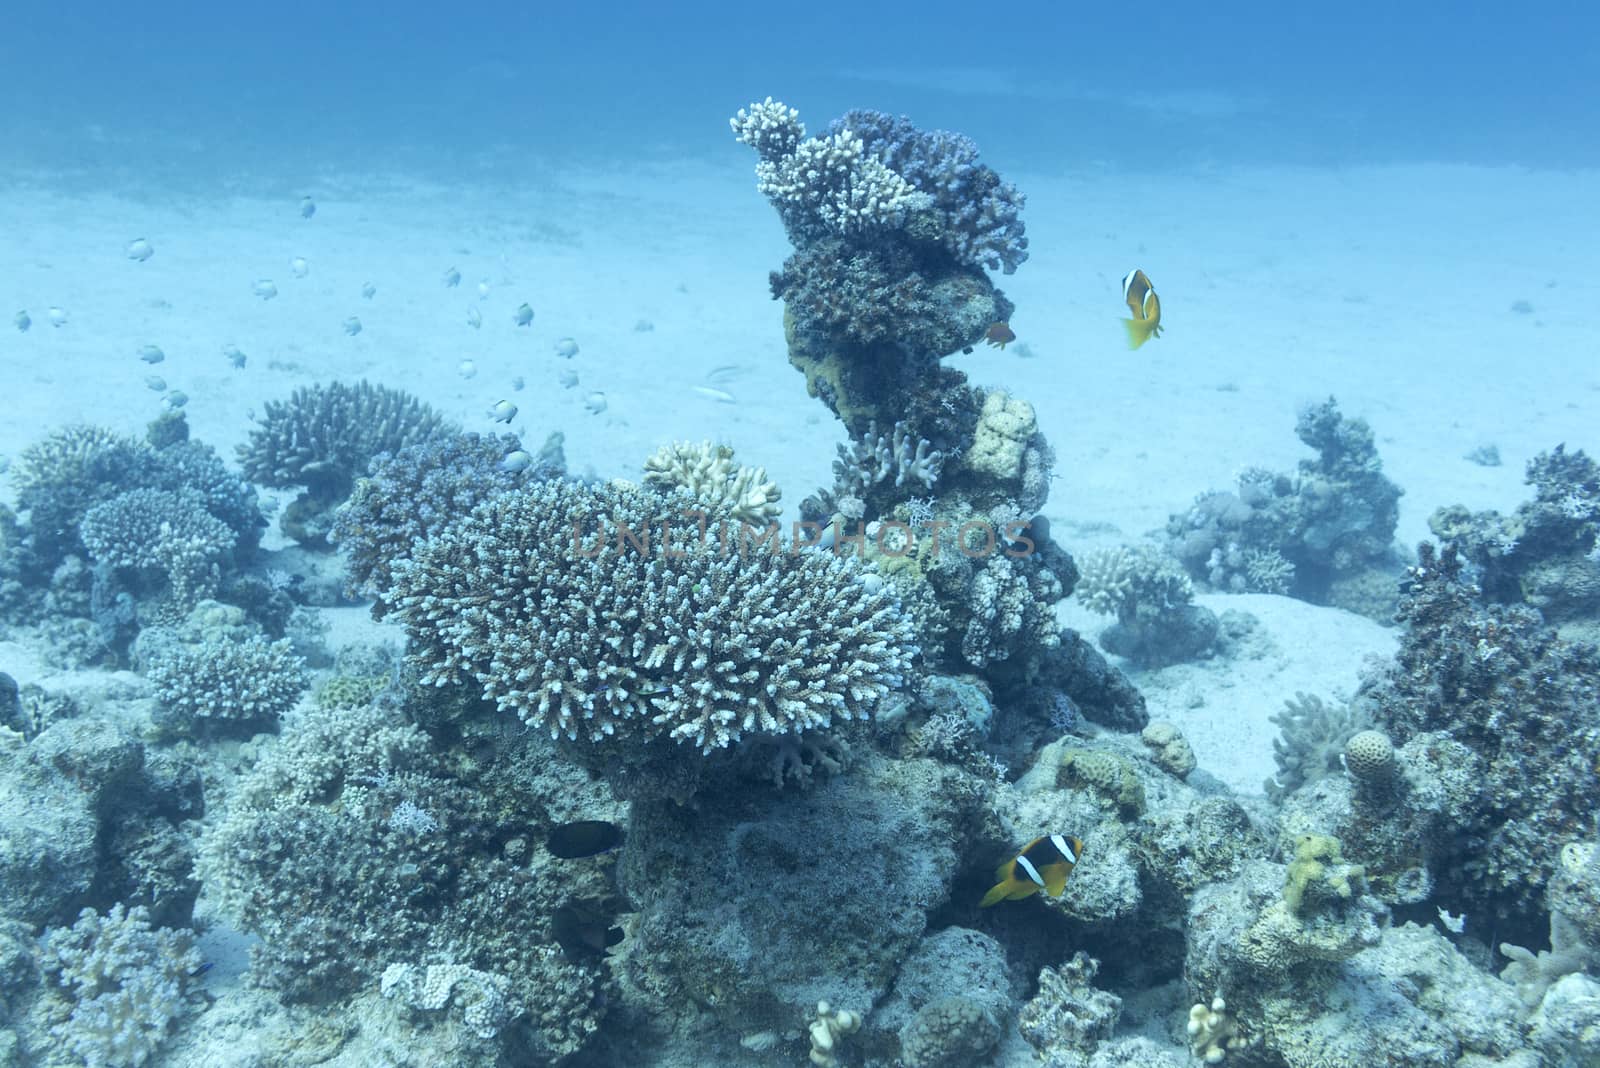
582, 933
585, 838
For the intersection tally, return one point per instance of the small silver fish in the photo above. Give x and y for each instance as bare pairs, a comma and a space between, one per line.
474, 318
721, 396
595, 402
483, 289
299, 267
566, 348
352, 326
21, 321
57, 317
452, 278
155, 382
234, 354
151, 354
265, 288
568, 378
523, 315
369, 291
503, 412
176, 399
517, 383
308, 207
466, 369
140, 250
516, 460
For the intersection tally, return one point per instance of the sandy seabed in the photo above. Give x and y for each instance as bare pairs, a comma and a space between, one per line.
1450, 306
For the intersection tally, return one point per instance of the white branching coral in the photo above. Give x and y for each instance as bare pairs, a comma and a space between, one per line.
596, 612
877, 457
126, 982
770, 127
831, 182
708, 471
1116, 582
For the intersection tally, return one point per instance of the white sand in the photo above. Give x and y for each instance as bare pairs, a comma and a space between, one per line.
1391, 288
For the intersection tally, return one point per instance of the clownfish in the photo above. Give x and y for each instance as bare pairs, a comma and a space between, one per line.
1144, 305
1043, 864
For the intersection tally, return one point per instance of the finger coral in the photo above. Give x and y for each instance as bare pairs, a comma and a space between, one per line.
709, 473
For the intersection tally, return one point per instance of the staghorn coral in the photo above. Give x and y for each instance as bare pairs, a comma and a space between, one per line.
415, 492
226, 684
828, 185
542, 600
708, 472
125, 980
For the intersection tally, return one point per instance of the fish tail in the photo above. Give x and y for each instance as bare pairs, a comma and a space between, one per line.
1139, 331
995, 896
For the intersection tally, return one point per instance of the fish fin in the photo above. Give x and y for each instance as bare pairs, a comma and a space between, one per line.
996, 895
1139, 331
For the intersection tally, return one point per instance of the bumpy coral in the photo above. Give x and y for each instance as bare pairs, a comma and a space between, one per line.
226, 685
980, 215
543, 599
324, 436
125, 980
417, 491
709, 473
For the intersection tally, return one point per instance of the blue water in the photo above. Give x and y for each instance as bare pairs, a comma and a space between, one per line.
199, 93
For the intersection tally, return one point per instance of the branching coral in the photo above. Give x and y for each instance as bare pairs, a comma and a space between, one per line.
981, 216
324, 436
709, 473
225, 684
147, 533
1312, 735
126, 982
417, 491
542, 599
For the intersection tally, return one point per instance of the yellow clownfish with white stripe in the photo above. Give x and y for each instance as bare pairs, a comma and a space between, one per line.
1145, 306
1043, 864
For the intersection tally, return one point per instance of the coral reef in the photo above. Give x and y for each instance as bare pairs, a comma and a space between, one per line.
708, 473
352, 817
1544, 554
157, 544
1317, 534
415, 492
225, 685
125, 982
1312, 737
323, 438
545, 600
1157, 621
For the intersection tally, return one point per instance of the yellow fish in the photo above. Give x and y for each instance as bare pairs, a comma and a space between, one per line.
1145, 307
1043, 864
